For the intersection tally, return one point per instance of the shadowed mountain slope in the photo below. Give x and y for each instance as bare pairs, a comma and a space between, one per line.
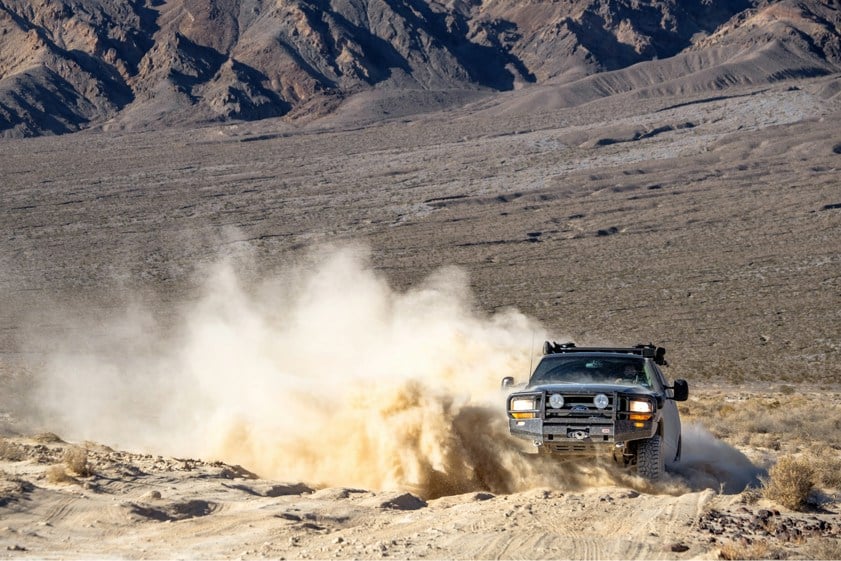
71, 64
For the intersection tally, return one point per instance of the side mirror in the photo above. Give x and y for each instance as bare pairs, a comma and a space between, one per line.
507, 382
681, 390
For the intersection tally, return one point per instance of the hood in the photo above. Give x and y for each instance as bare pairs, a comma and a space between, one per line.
592, 388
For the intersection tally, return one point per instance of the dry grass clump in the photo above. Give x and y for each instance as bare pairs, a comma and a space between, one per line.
10, 452
827, 465
76, 460
47, 438
776, 420
790, 482
756, 550
58, 474
823, 548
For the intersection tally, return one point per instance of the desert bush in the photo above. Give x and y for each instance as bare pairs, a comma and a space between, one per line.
771, 420
76, 460
47, 438
823, 548
827, 466
10, 451
733, 550
751, 495
58, 474
789, 482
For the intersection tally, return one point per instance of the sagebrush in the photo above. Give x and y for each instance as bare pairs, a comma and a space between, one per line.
790, 482
10, 452
76, 460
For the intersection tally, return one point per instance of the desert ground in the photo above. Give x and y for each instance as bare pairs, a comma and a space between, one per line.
260, 340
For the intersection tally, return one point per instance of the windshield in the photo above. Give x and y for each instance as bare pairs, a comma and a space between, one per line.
571, 369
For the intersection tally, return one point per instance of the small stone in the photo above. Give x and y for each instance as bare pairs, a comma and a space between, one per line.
152, 496
679, 547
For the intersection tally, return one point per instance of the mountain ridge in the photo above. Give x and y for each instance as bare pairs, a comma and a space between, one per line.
67, 65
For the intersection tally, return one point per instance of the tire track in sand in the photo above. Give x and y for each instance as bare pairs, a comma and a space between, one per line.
603, 523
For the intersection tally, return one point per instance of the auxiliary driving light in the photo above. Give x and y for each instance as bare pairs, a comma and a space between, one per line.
600, 401
556, 401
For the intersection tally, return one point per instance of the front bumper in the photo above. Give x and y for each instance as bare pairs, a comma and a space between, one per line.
582, 430
579, 437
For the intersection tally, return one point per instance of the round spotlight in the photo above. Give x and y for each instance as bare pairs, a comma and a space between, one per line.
556, 401
600, 401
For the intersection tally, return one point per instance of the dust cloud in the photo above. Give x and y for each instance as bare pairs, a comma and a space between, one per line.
707, 462
323, 373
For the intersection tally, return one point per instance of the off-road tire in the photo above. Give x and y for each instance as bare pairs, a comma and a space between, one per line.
650, 461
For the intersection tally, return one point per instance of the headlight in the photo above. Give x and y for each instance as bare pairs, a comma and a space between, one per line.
600, 401
523, 407
640, 406
556, 401
523, 404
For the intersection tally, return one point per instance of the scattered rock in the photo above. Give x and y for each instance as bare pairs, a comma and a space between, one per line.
174, 511
336, 493
151, 495
608, 231
237, 472
406, 501
289, 489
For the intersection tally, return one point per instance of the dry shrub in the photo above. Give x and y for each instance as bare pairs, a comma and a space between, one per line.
789, 482
771, 420
58, 474
823, 548
827, 466
10, 451
751, 495
47, 438
76, 460
785, 389
733, 550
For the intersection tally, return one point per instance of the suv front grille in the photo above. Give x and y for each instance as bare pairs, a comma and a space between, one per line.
580, 406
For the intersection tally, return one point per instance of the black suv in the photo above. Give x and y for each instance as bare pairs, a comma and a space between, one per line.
587, 400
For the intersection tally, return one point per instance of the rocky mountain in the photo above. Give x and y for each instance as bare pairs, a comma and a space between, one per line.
66, 65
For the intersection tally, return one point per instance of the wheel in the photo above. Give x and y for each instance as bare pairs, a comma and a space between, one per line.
650, 461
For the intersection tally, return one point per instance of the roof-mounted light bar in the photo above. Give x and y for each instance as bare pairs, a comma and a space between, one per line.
646, 351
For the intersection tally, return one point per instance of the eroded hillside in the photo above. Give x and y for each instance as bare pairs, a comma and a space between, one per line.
66, 65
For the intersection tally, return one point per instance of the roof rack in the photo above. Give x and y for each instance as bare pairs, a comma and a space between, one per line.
646, 351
